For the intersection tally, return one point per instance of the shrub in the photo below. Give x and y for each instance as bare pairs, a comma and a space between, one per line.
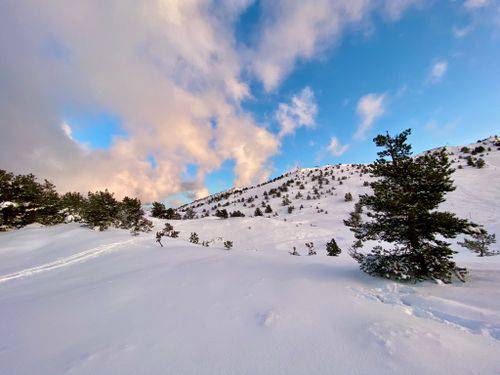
228, 245
222, 214
348, 197
332, 248
193, 238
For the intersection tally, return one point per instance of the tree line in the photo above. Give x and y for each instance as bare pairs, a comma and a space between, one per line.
24, 200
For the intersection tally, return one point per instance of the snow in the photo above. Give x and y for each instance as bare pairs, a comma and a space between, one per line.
76, 301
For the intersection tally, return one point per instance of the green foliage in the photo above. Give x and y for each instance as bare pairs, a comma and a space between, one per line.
23, 201
72, 203
403, 211
332, 249
101, 210
158, 210
480, 243
130, 215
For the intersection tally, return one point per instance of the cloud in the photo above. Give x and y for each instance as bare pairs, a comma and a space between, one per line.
335, 147
475, 4
370, 107
437, 72
174, 74
297, 30
300, 112
169, 69
460, 32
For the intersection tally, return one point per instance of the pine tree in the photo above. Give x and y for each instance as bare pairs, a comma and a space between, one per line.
332, 248
258, 212
194, 238
480, 243
268, 210
100, 210
72, 203
403, 211
222, 214
158, 210
130, 215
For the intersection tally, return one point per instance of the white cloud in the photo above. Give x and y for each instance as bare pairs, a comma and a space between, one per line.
474, 4
460, 32
336, 148
370, 107
297, 30
438, 70
300, 112
167, 68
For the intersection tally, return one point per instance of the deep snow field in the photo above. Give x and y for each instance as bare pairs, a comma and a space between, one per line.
76, 301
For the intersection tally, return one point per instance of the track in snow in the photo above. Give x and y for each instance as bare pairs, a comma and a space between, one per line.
67, 261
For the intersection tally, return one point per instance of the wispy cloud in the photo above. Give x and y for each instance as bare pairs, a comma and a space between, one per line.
295, 30
438, 70
474, 4
300, 112
460, 32
335, 147
370, 108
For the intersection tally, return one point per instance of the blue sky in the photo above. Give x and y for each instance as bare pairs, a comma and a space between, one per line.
303, 97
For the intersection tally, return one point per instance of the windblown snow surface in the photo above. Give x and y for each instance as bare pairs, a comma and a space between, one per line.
76, 301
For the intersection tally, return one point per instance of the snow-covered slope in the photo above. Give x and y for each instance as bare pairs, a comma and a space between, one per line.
74, 301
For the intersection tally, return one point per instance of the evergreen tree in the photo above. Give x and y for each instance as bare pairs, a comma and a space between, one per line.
171, 214
130, 215
403, 211
228, 245
100, 210
348, 197
332, 248
268, 210
190, 214
72, 203
480, 242
257, 212
194, 238
158, 210
222, 214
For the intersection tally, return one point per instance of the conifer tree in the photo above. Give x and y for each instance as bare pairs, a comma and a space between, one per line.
257, 212
402, 211
158, 210
101, 210
480, 243
332, 248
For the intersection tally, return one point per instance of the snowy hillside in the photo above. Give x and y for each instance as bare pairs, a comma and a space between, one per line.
76, 301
